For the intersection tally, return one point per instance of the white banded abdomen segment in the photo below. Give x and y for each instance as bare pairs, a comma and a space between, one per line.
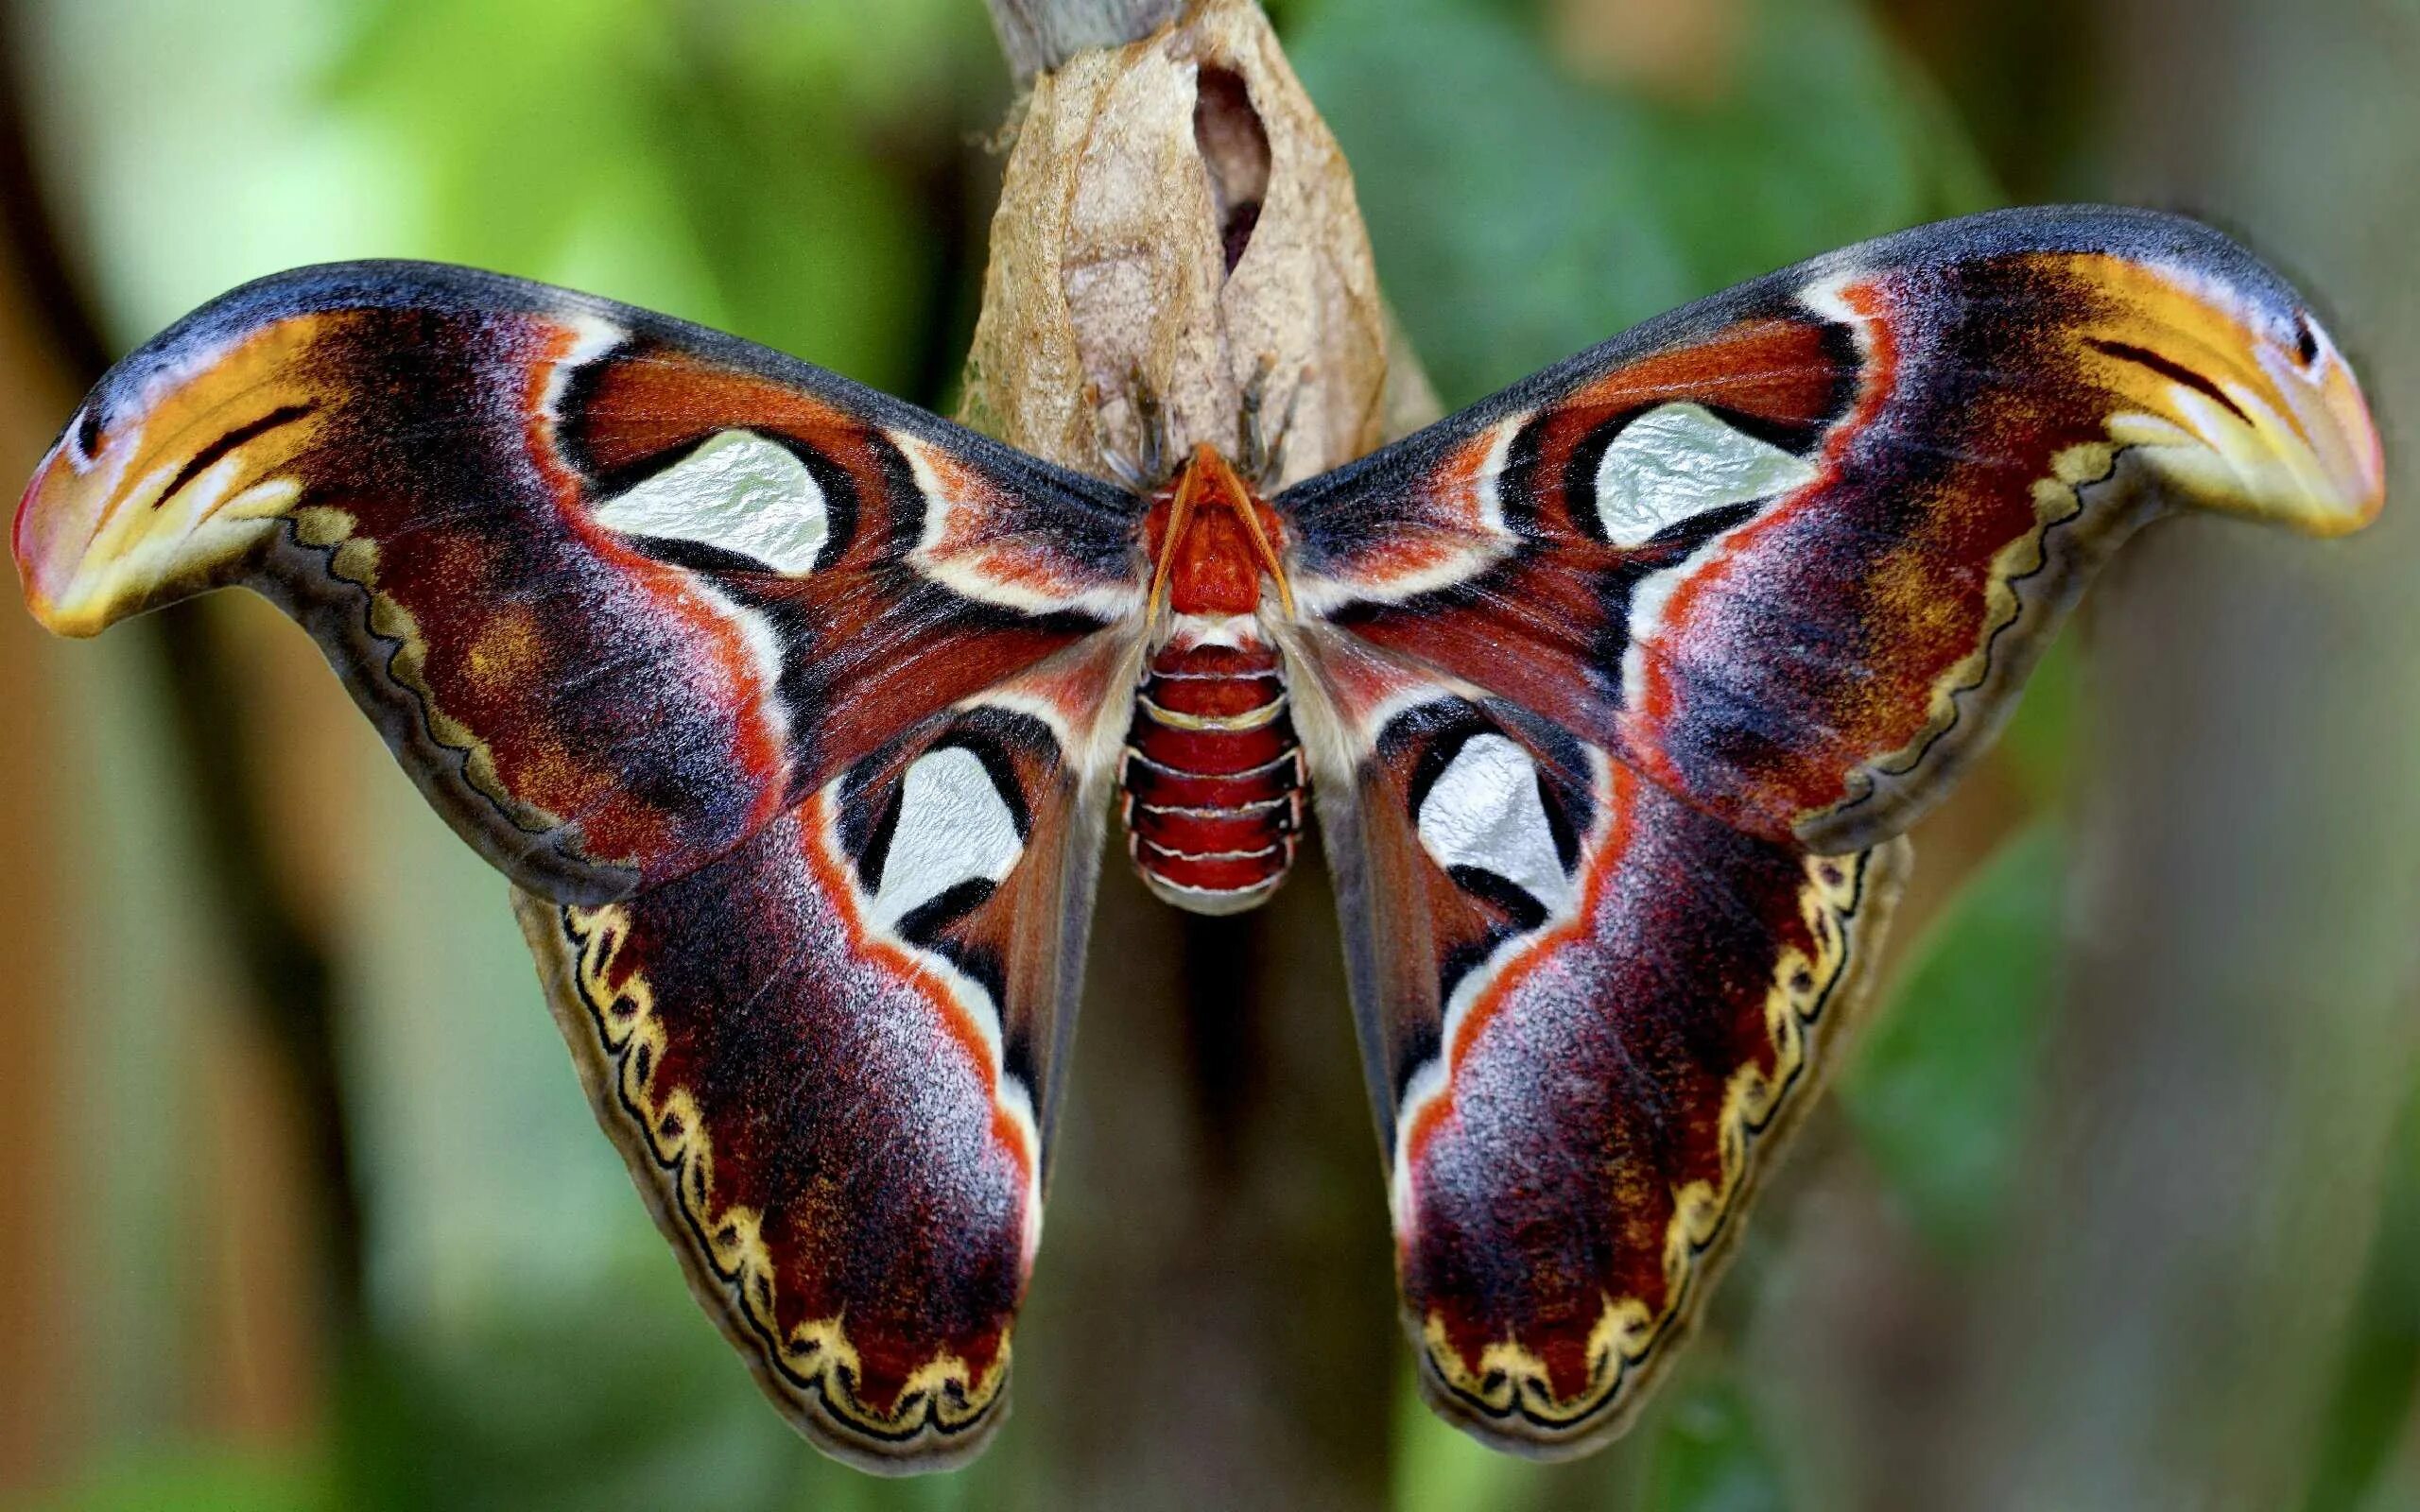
1212, 780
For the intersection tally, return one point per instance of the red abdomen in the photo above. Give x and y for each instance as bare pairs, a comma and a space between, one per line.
1212, 776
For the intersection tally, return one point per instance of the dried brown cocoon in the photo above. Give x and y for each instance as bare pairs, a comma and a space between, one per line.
1176, 220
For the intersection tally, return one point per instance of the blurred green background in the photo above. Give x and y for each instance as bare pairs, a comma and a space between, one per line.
2116, 1204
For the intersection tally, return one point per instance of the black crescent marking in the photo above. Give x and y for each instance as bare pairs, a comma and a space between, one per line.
2175, 372
208, 457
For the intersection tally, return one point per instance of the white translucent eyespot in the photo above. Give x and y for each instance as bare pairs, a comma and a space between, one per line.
737, 491
954, 827
1485, 812
1678, 460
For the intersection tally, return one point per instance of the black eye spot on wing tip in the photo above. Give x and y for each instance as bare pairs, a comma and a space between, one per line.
2306, 340
85, 433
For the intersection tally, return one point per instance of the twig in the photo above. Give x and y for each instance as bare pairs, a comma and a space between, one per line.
1039, 35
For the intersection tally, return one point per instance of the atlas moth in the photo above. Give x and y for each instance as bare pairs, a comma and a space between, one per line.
795, 714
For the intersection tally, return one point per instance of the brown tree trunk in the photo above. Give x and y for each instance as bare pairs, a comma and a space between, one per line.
1213, 1319
2239, 1033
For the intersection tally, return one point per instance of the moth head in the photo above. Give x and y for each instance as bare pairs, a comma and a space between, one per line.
2234, 395
163, 483
1212, 540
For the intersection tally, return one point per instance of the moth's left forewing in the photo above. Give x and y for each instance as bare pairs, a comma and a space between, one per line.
1591, 1015
612, 587
1792, 551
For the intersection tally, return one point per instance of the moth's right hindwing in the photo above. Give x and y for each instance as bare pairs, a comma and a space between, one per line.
1591, 1015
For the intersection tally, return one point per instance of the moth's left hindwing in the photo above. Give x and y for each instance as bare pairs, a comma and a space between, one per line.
778, 700
1590, 1013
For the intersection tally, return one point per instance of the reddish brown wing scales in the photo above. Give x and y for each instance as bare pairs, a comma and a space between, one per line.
1549, 627
1788, 379
425, 465
1789, 552
762, 684
1592, 1013
1636, 1072
850, 659
460, 591
820, 1057
865, 1234
1883, 585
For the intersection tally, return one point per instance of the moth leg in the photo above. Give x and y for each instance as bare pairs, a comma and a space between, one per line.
1124, 468
1154, 421
1145, 470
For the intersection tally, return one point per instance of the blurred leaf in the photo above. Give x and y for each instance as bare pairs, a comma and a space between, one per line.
1940, 1089
615, 1394
1562, 213
1438, 1466
601, 143
2378, 1384
1709, 1455
2039, 740
196, 1480
862, 62
183, 148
